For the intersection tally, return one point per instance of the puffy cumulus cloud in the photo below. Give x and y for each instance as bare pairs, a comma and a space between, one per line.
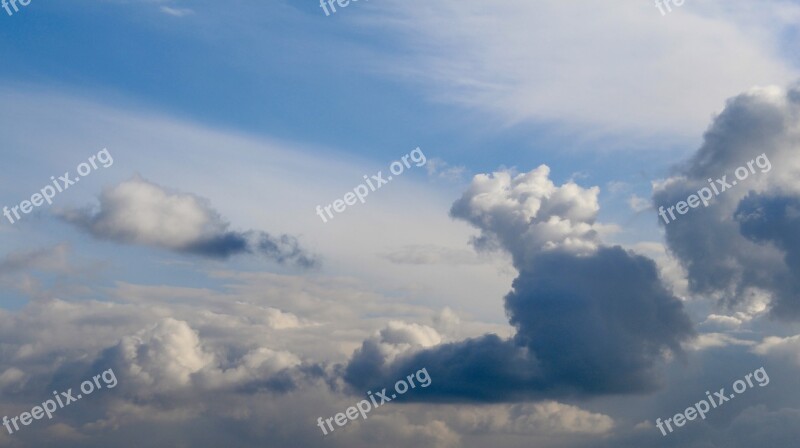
165, 370
527, 213
140, 212
395, 340
742, 248
170, 357
589, 319
163, 357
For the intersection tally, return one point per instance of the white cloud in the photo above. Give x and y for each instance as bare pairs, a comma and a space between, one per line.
531, 210
165, 356
722, 321
788, 347
612, 66
141, 212
715, 340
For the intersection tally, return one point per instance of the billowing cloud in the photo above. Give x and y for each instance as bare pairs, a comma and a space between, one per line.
589, 319
140, 212
527, 214
169, 357
742, 248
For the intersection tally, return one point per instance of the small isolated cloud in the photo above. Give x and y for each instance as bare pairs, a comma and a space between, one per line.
140, 212
169, 356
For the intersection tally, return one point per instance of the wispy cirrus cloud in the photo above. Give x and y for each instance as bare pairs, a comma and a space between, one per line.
570, 63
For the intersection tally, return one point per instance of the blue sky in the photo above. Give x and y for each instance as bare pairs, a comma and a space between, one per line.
185, 266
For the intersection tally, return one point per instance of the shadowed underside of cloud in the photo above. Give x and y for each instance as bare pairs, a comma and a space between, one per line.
743, 247
590, 319
776, 220
140, 212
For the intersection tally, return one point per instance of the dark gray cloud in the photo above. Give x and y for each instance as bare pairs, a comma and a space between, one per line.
590, 319
776, 220
741, 247
140, 212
